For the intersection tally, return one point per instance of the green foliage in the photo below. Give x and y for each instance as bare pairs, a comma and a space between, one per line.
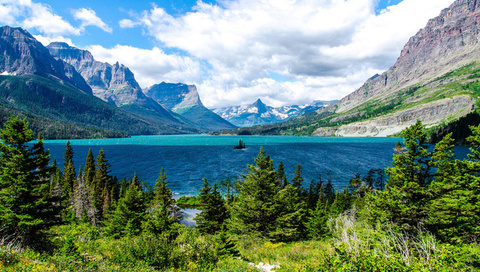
188, 202
127, 218
25, 209
214, 213
262, 207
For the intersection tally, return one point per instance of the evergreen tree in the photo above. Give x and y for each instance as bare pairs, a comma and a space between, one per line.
163, 194
129, 214
315, 192
281, 176
68, 180
291, 214
260, 209
164, 213
454, 208
89, 171
103, 182
67, 155
404, 200
255, 208
317, 222
210, 220
297, 179
25, 207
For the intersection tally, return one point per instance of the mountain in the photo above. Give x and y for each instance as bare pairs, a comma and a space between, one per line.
184, 100
259, 114
57, 101
23, 54
435, 79
115, 84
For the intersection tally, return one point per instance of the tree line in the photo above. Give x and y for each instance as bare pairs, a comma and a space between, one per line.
424, 190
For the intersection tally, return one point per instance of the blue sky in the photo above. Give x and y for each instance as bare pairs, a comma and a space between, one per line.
282, 51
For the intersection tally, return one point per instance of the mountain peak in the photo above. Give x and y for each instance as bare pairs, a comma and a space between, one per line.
59, 45
23, 54
262, 108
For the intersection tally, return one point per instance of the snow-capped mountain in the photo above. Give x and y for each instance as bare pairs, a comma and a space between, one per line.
260, 114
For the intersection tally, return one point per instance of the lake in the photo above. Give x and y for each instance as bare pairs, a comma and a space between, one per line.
187, 159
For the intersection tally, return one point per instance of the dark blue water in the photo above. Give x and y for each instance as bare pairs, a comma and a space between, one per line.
189, 159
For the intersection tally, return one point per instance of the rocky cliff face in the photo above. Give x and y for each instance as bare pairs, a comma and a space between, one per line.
448, 42
259, 114
115, 84
21, 54
175, 96
184, 100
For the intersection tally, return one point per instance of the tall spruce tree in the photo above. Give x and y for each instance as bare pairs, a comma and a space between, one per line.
255, 208
281, 176
163, 214
260, 206
25, 207
454, 207
214, 213
130, 212
404, 200
89, 170
298, 179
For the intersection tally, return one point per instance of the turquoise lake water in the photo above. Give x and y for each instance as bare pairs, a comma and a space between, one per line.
188, 159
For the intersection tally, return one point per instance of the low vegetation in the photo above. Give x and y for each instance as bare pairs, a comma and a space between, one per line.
420, 214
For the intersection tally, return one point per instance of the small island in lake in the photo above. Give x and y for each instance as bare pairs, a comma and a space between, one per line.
241, 145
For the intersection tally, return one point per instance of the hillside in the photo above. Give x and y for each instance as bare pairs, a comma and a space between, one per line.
435, 79
58, 102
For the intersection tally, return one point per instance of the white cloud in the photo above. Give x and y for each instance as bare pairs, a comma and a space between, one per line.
38, 16
90, 18
151, 66
126, 23
325, 48
47, 40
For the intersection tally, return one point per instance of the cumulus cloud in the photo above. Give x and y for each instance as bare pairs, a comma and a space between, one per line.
151, 66
47, 40
90, 18
323, 49
31, 15
39, 16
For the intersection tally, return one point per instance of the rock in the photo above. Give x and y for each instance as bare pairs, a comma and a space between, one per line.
184, 100
21, 54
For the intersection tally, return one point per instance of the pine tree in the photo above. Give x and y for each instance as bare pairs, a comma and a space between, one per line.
454, 208
281, 176
130, 212
89, 172
102, 181
317, 222
404, 200
255, 208
291, 214
297, 179
262, 208
163, 214
214, 213
25, 207
163, 194
67, 155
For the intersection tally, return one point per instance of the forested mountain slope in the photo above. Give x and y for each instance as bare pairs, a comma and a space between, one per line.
56, 99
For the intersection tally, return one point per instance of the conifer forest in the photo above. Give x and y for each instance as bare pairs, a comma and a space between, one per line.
420, 214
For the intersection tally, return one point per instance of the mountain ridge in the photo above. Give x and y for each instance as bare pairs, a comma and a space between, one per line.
435, 79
